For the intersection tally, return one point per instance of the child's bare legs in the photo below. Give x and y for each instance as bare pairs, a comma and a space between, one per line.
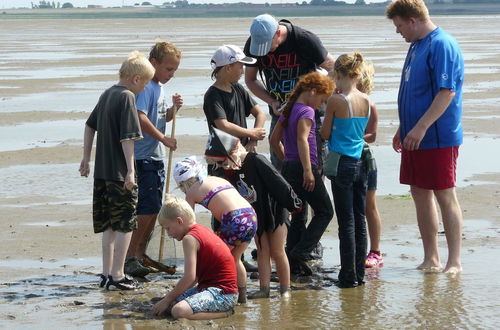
264, 264
183, 310
114, 249
108, 246
277, 241
452, 221
427, 218
373, 220
272, 245
237, 252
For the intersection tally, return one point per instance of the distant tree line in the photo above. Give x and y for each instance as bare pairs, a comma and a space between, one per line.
48, 4
185, 3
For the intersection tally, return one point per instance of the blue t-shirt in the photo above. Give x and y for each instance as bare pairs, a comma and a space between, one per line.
152, 102
432, 63
299, 111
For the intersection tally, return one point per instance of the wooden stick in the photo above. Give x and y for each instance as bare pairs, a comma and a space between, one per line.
167, 181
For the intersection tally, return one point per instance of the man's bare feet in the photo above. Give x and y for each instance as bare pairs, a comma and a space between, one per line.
452, 269
430, 266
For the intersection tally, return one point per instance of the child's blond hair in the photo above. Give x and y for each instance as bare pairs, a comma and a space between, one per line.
365, 84
137, 65
162, 50
185, 185
174, 207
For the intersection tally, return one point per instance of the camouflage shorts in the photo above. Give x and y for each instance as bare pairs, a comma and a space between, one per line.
114, 207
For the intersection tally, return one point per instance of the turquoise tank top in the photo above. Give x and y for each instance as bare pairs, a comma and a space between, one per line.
346, 136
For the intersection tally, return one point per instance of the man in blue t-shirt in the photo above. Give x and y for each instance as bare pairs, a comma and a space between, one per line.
430, 129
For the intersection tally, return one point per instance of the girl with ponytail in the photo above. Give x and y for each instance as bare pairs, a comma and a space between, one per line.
294, 141
344, 127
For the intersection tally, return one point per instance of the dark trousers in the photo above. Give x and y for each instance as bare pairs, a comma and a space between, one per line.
301, 240
349, 195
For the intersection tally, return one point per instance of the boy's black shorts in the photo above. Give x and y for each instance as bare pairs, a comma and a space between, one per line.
114, 207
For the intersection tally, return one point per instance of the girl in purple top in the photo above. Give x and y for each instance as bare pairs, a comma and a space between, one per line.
294, 141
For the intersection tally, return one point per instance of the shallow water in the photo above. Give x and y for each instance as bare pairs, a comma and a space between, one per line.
395, 296
67, 187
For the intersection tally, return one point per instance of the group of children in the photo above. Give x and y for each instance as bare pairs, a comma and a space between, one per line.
247, 196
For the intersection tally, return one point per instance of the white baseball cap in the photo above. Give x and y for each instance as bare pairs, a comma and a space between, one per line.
229, 54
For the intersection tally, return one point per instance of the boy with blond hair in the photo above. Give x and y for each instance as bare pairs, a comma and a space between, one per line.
208, 264
115, 192
150, 152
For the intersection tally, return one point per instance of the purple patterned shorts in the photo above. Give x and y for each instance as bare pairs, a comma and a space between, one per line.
238, 226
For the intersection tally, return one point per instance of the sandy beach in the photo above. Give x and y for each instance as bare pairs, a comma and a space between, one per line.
53, 71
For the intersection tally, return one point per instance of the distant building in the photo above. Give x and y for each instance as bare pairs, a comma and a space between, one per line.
94, 6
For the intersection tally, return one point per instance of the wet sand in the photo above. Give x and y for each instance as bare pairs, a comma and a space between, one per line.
50, 257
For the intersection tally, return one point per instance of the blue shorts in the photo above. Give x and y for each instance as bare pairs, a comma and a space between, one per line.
372, 180
238, 226
208, 300
150, 179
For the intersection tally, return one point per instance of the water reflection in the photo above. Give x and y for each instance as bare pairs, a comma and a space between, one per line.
440, 303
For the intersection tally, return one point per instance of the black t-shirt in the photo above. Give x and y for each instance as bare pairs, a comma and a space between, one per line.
115, 119
235, 106
301, 53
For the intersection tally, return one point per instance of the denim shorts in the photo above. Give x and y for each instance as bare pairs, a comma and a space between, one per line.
150, 179
372, 180
211, 299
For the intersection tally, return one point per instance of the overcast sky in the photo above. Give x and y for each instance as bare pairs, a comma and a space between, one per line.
111, 3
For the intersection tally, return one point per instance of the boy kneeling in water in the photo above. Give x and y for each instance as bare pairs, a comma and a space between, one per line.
207, 263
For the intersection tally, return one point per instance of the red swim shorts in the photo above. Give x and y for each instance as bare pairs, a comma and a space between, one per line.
433, 169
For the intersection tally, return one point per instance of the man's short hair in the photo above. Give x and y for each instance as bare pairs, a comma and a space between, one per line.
162, 50
137, 64
174, 207
407, 9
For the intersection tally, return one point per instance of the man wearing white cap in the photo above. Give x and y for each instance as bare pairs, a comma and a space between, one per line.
284, 52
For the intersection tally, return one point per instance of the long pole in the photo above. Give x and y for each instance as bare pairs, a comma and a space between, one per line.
167, 182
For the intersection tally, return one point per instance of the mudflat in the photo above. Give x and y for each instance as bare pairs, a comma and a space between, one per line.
53, 72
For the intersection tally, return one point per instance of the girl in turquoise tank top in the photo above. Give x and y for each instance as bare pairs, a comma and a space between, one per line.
344, 127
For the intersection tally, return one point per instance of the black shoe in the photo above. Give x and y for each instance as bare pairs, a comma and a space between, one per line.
133, 267
296, 260
104, 279
126, 283
344, 285
249, 267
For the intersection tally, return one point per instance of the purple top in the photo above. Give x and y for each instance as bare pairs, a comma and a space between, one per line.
299, 111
